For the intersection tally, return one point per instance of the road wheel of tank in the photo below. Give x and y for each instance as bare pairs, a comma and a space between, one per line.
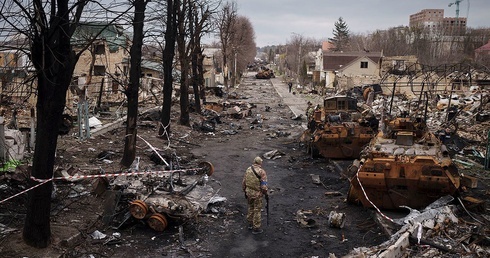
348, 152
206, 167
352, 195
314, 152
138, 209
157, 222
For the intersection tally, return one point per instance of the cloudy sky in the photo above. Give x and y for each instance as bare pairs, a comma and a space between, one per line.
275, 21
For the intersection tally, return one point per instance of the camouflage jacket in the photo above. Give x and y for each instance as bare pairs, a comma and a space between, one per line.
251, 184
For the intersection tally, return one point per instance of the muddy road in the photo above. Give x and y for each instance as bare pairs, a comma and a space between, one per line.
299, 208
292, 189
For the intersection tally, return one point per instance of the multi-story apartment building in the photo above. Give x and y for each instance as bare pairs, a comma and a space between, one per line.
434, 20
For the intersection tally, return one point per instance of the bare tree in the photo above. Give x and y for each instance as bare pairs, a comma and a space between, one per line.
226, 20
297, 47
48, 27
243, 46
201, 12
134, 82
53, 58
168, 57
183, 48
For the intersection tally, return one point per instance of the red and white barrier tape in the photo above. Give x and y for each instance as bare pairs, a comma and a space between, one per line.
133, 173
69, 178
367, 198
26, 190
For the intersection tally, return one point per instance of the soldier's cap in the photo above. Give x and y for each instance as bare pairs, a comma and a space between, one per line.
258, 160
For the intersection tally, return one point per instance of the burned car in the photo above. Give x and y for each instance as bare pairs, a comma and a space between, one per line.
339, 130
404, 165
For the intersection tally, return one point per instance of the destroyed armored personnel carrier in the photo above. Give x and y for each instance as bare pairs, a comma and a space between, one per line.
178, 195
265, 73
339, 130
404, 165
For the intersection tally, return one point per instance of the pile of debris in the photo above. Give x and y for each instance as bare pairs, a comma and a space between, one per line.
435, 231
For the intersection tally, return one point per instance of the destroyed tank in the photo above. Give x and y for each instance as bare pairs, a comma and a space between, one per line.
404, 165
338, 130
265, 73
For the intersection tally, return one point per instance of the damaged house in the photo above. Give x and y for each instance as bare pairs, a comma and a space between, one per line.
104, 67
16, 72
344, 70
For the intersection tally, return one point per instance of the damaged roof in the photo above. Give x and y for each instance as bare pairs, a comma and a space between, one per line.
113, 34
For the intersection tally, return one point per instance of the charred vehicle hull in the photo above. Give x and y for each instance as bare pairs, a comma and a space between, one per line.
180, 195
341, 141
404, 166
338, 131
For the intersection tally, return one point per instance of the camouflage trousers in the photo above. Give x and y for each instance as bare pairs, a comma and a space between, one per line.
254, 210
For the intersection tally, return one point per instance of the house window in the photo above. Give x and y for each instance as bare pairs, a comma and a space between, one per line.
99, 49
330, 105
364, 64
399, 65
99, 70
341, 105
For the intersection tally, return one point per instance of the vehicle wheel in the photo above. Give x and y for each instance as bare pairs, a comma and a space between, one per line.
138, 209
352, 195
206, 167
314, 152
158, 222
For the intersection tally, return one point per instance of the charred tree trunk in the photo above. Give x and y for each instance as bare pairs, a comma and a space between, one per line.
134, 83
54, 60
195, 82
193, 32
168, 57
184, 64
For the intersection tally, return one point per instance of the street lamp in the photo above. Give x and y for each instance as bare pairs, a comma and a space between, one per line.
234, 77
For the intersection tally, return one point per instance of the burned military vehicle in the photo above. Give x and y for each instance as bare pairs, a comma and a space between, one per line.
404, 165
265, 73
339, 130
178, 195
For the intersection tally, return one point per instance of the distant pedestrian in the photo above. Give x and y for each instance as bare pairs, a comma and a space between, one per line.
309, 111
290, 86
254, 185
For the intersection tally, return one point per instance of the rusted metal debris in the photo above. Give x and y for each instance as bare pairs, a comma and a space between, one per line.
437, 231
265, 73
338, 130
174, 195
404, 165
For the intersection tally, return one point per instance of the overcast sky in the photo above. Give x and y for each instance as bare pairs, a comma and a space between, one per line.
274, 21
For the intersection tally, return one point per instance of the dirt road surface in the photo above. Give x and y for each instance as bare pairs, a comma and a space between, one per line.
222, 231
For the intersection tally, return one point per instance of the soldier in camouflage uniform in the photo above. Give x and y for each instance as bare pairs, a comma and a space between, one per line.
254, 186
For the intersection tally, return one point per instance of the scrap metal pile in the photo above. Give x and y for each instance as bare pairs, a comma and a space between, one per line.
439, 230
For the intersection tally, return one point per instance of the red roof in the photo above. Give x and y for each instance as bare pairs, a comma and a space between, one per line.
483, 48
